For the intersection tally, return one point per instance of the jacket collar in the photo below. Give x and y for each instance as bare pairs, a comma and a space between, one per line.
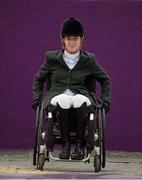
83, 58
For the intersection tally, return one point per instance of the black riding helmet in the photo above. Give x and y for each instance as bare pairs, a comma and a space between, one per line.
72, 27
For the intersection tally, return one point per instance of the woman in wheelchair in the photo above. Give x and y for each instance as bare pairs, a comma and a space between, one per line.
67, 71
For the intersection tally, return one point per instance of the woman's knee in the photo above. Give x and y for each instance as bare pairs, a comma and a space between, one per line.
79, 99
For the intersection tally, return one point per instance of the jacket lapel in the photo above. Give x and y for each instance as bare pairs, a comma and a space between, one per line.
60, 58
83, 58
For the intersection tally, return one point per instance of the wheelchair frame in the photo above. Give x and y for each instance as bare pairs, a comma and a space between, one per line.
41, 154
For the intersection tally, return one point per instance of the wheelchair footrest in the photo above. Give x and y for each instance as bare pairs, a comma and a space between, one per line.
68, 160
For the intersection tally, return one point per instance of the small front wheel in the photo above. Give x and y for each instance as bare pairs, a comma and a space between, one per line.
97, 163
41, 160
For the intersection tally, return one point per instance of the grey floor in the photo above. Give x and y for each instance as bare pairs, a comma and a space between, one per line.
17, 164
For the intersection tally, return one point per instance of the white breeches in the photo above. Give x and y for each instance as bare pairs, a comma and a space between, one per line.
66, 101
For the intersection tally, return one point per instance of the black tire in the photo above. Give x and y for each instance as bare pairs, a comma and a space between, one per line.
101, 133
103, 140
100, 137
97, 163
39, 119
35, 153
101, 157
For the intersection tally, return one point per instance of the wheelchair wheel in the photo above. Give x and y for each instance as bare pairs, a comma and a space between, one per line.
103, 140
38, 131
36, 137
100, 158
101, 127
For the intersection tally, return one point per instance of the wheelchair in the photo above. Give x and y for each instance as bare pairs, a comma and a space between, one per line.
47, 134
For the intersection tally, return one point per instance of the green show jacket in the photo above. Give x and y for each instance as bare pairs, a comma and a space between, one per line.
59, 77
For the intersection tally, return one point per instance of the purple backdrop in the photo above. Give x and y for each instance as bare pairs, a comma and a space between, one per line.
113, 30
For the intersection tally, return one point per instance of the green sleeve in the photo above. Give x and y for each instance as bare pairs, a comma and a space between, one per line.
104, 80
40, 78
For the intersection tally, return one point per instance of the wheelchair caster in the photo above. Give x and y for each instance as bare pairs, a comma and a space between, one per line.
97, 163
41, 159
88, 161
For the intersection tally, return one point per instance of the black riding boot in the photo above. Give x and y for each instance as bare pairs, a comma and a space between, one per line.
80, 114
64, 130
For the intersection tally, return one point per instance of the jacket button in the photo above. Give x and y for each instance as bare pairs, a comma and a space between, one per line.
68, 79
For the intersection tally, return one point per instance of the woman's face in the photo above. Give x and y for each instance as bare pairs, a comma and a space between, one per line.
72, 43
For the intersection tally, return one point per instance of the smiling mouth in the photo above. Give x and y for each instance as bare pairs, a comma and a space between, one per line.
72, 46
